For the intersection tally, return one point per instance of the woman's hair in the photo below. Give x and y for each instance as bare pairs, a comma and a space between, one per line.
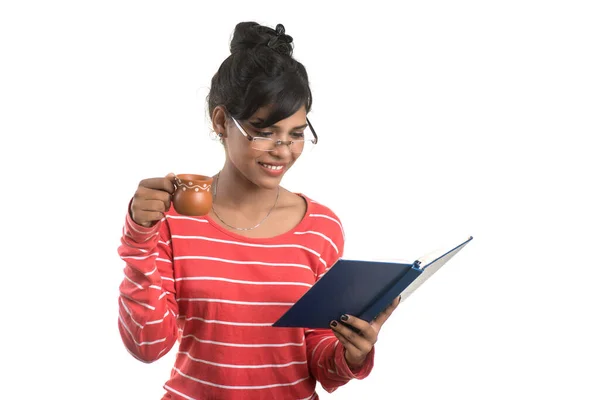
260, 71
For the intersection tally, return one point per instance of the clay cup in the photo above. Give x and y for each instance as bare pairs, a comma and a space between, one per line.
192, 195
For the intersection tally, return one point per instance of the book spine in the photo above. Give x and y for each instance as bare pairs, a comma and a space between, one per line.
388, 297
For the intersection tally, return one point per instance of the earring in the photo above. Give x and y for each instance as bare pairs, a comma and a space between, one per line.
216, 136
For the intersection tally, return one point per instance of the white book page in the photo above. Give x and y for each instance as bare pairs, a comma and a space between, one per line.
429, 268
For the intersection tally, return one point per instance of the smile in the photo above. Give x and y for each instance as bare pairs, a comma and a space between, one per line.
273, 167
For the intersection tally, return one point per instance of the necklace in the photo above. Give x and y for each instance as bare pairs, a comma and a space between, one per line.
235, 227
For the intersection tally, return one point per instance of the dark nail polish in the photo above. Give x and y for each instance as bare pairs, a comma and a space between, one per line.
333, 323
344, 317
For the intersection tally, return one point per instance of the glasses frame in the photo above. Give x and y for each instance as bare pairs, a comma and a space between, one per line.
278, 142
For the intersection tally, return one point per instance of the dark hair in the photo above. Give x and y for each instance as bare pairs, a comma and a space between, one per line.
260, 72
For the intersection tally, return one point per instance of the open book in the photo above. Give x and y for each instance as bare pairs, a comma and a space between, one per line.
361, 288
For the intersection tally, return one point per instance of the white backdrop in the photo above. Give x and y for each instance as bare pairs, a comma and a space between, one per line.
438, 120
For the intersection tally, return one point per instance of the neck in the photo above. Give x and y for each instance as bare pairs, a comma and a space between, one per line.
236, 191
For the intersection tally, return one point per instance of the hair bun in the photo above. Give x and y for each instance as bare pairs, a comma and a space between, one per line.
279, 30
251, 35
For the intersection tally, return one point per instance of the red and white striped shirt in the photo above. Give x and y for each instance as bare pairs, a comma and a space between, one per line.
188, 279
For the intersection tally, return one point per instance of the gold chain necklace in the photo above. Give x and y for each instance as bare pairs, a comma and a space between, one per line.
235, 227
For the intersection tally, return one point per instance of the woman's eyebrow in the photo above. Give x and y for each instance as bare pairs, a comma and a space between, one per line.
260, 120
301, 126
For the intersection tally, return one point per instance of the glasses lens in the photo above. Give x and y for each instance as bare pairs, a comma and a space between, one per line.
308, 143
263, 144
297, 145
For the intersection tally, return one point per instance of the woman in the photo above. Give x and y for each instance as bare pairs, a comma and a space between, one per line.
216, 283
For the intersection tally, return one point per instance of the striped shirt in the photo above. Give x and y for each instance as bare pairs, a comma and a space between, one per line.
216, 293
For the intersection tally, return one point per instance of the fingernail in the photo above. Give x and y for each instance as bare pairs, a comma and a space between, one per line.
344, 317
334, 323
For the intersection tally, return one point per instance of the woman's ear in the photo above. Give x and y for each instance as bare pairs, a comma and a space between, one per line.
218, 119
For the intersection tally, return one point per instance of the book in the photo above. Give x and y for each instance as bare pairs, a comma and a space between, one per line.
362, 288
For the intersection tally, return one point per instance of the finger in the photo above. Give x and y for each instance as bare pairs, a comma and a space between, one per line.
352, 337
144, 193
351, 348
146, 218
363, 327
164, 184
353, 355
147, 210
152, 205
385, 314
171, 177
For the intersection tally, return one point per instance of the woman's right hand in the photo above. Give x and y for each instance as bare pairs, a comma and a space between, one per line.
152, 199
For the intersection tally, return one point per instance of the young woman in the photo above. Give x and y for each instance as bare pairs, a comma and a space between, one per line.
215, 284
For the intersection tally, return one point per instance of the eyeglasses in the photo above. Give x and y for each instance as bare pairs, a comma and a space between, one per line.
267, 144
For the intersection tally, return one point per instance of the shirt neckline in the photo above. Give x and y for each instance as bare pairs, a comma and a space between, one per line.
270, 239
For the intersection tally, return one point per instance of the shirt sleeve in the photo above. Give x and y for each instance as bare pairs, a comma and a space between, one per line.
325, 353
147, 307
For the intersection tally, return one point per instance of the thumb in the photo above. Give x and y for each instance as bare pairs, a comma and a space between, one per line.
171, 177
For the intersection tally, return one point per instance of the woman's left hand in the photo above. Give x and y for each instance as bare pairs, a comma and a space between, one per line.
360, 343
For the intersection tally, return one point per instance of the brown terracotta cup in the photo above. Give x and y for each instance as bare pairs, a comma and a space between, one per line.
192, 194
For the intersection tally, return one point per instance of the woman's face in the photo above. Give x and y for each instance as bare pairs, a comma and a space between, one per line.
264, 168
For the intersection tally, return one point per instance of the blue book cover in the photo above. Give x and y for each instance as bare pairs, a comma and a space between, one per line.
361, 288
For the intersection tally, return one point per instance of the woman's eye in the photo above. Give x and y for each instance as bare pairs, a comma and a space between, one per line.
264, 134
298, 135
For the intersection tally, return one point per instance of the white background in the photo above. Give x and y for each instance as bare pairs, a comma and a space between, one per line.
437, 119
